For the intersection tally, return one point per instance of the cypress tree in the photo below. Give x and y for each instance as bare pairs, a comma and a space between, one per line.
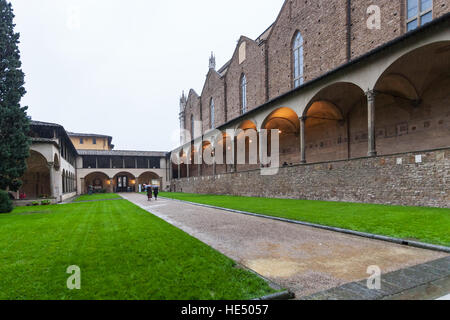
14, 122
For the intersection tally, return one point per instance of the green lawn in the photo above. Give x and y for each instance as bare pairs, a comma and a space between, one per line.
430, 225
123, 252
97, 196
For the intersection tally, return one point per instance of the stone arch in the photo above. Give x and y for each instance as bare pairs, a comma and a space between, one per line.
56, 162
287, 122
334, 119
206, 169
223, 146
183, 163
63, 176
247, 145
97, 181
36, 180
124, 182
149, 178
412, 99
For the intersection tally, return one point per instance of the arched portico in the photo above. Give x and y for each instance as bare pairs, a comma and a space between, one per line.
207, 167
149, 178
412, 100
247, 140
124, 182
36, 180
335, 124
287, 122
97, 181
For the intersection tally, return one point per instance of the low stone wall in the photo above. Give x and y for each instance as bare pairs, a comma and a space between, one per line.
413, 179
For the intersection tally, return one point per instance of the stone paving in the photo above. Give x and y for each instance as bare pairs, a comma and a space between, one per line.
303, 259
427, 281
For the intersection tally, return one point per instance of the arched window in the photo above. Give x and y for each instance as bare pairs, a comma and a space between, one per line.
64, 181
212, 113
244, 94
192, 127
297, 53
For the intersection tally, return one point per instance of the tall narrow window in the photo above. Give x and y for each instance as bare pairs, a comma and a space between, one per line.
420, 12
212, 113
298, 60
244, 94
192, 127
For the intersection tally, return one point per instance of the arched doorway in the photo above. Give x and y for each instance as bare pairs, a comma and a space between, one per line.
286, 121
412, 101
124, 182
36, 180
97, 182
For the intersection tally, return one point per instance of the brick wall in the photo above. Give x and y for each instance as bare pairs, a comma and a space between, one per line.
322, 24
214, 88
393, 24
254, 69
367, 180
193, 108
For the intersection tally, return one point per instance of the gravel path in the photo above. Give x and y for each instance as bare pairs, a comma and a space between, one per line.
303, 259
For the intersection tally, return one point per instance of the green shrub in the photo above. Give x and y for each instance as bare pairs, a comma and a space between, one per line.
6, 204
46, 203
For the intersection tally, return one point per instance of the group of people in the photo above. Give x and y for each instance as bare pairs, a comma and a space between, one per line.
151, 191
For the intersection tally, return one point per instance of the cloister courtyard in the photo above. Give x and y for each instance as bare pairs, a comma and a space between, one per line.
130, 248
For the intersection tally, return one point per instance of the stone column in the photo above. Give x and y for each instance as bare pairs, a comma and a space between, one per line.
235, 149
371, 122
82, 186
51, 170
111, 185
302, 140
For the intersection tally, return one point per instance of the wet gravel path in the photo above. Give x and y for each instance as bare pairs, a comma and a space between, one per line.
303, 259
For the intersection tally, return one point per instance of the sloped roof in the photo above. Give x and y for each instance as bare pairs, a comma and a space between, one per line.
72, 134
122, 153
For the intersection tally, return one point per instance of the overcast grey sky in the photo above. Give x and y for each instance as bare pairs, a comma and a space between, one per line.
119, 67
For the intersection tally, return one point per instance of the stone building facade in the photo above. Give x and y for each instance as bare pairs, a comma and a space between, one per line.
339, 80
59, 169
334, 33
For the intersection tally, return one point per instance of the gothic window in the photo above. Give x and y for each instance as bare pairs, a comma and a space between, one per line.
420, 12
297, 53
244, 93
192, 127
212, 113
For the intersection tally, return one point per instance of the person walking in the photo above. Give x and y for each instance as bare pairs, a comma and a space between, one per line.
149, 193
156, 192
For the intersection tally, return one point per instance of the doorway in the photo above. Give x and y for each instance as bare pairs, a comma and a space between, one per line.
122, 184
